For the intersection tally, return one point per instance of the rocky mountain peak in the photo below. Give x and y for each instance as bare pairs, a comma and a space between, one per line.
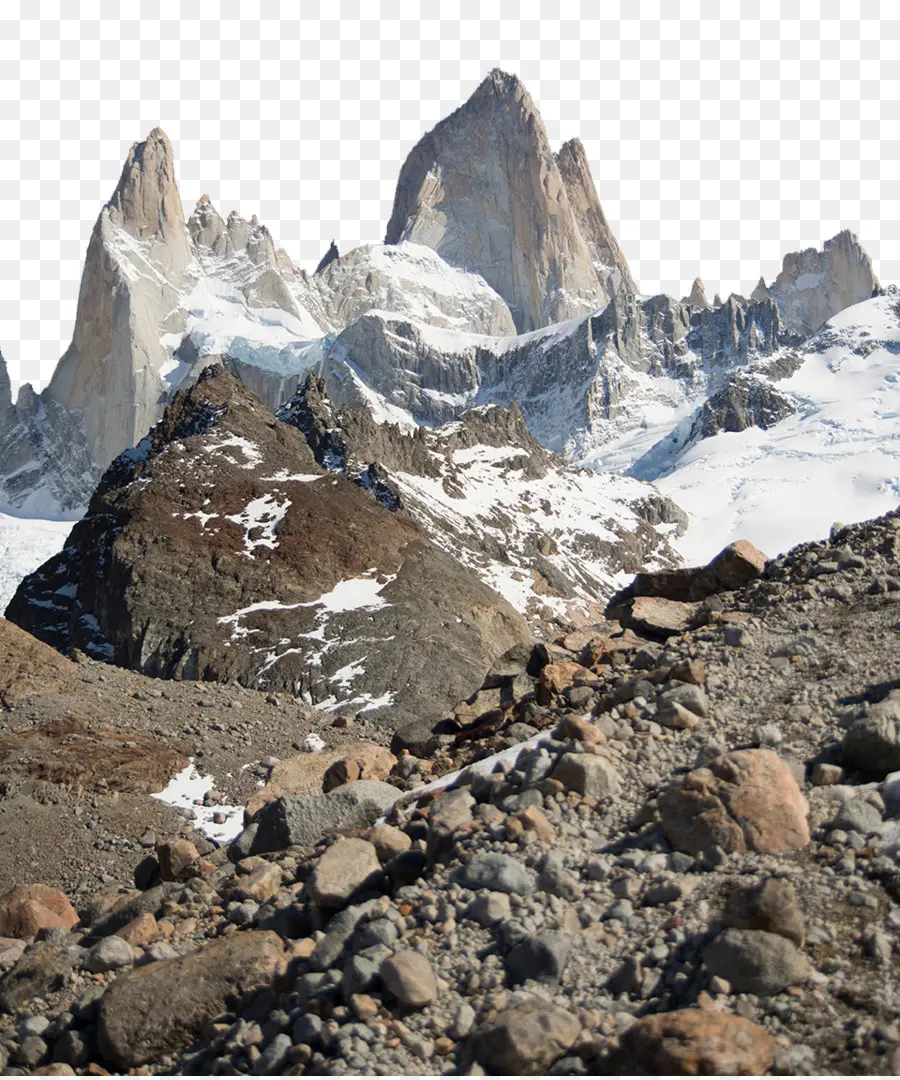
815, 285
483, 189
5, 387
328, 258
146, 202
696, 300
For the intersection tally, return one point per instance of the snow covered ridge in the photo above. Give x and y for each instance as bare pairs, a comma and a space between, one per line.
836, 458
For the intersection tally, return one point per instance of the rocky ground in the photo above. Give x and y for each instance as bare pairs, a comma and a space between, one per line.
690, 866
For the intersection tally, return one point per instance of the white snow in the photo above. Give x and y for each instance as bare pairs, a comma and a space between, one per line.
26, 543
314, 743
838, 459
186, 790
252, 455
262, 517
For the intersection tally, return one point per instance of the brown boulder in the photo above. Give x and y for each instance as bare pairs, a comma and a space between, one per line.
697, 1042
299, 775
28, 667
555, 678
40, 970
178, 860
744, 801
365, 761
660, 618
525, 1040
28, 908
769, 905
737, 565
161, 1008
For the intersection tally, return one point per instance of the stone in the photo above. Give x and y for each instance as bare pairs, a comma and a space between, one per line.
498, 873
260, 885
302, 774
756, 962
676, 716
556, 678
178, 860
542, 957
659, 618
872, 743
346, 868
26, 909
769, 905
110, 954
825, 775
38, 972
32, 1051
490, 909
450, 811
857, 815
304, 820
389, 841
142, 930
536, 821
695, 1042
587, 774
186, 993
525, 1040
368, 761
688, 695
737, 565
11, 950
410, 978
747, 800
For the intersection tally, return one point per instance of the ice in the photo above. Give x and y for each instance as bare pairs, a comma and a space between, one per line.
314, 743
25, 544
185, 791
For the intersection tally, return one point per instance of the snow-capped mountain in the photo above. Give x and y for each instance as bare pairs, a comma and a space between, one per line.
493, 239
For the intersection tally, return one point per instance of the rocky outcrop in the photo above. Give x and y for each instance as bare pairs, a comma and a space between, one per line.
484, 190
218, 549
696, 300
815, 285
28, 667
609, 261
743, 402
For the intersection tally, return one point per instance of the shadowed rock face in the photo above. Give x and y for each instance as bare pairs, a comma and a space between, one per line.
218, 549
484, 190
744, 401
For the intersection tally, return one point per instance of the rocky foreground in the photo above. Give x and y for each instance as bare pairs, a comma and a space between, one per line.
688, 867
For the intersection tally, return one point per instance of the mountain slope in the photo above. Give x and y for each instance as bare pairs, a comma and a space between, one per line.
217, 549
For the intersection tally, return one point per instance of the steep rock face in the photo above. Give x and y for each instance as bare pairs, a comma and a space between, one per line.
218, 549
328, 258
135, 262
548, 537
744, 401
815, 285
696, 300
45, 463
609, 261
483, 189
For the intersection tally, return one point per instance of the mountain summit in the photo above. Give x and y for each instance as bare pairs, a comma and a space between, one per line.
485, 191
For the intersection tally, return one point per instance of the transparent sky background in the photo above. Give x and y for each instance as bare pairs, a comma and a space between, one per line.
719, 140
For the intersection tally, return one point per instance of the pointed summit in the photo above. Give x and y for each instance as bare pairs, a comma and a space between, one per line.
483, 190
328, 258
761, 292
146, 202
5, 389
610, 263
697, 299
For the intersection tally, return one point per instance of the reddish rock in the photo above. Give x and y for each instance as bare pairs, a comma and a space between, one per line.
140, 931
178, 860
28, 667
660, 618
744, 801
28, 908
697, 1042
366, 761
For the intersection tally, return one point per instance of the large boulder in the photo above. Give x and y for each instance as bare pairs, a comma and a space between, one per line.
162, 1007
696, 1042
524, 1040
744, 801
26, 909
756, 962
872, 742
218, 549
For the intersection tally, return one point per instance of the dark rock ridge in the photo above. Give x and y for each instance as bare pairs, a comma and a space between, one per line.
744, 401
218, 549
328, 258
485, 490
